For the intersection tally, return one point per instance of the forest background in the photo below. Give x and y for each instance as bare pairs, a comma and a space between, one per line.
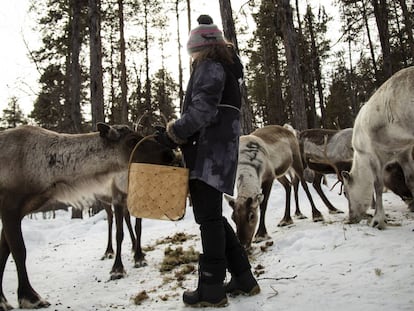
116, 60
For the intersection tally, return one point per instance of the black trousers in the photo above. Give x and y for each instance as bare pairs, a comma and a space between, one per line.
221, 247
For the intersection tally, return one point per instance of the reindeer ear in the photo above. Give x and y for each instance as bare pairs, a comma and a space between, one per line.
103, 129
346, 176
108, 132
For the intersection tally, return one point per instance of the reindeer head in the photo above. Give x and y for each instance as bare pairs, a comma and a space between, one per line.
359, 194
149, 151
245, 216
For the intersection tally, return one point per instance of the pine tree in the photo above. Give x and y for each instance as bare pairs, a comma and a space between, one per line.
12, 115
265, 70
48, 109
62, 25
163, 94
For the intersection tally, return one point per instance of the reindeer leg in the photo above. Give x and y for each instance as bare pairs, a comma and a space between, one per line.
287, 219
261, 234
295, 183
4, 254
109, 252
11, 218
317, 186
139, 255
127, 218
118, 270
316, 214
378, 221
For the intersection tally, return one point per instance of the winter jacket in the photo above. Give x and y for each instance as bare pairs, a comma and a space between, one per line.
209, 128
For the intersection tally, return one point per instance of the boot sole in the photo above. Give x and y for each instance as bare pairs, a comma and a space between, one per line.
254, 291
205, 304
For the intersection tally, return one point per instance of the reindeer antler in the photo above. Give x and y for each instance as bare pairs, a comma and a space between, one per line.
138, 123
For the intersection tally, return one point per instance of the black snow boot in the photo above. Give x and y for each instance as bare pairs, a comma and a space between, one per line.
242, 279
210, 291
244, 284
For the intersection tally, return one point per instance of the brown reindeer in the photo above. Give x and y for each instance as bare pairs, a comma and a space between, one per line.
41, 166
118, 196
326, 151
118, 199
267, 153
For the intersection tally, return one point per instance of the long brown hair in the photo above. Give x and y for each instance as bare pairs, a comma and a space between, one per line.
218, 52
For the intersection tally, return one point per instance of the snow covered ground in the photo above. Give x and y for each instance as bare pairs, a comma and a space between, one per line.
310, 266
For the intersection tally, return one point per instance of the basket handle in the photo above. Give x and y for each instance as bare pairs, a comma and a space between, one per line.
137, 145
133, 152
130, 160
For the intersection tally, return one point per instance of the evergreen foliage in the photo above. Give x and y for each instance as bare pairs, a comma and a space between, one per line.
377, 40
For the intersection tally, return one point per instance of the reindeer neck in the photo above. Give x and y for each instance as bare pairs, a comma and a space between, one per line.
90, 153
248, 181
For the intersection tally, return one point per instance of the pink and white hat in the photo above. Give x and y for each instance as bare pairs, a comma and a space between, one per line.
205, 34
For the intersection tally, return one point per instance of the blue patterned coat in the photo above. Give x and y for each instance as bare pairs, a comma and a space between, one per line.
209, 128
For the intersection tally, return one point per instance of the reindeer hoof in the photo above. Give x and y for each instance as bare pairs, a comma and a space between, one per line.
259, 239
140, 263
117, 274
107, 256
4, 305
284, 223
27, 304
300, 216
318, 218
378, 223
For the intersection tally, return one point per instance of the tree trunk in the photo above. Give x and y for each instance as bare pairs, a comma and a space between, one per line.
404, 56
95, 45
124, 88
114, 115
284, 15
147, 79
274, 98
75, 77
408, 25
371, 46
316, 66
246, 117
180, 64
381, 17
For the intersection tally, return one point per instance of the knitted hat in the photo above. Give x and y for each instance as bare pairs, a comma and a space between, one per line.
205, 34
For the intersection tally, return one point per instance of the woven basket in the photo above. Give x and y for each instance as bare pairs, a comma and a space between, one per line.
157, 191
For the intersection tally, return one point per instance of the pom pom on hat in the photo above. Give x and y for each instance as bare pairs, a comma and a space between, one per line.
205, 34
205, 20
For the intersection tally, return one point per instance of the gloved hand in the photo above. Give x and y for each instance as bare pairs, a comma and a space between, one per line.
161, 136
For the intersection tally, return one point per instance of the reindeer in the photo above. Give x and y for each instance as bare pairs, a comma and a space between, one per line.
330, 152
394, 177
325, 151
267, 153
41, 166
383, 130
118, 199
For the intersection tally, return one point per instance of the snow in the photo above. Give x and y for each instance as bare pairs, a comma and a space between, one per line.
310, 266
